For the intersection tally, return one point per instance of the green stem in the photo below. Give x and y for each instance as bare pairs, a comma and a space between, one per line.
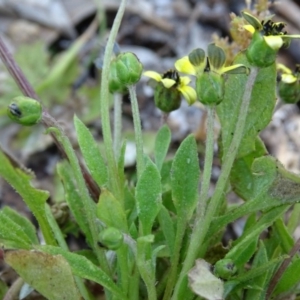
181, 226
202, 225
104, 102
209, 155
62, 244
134, 283
122, 255
117, 123
137, 130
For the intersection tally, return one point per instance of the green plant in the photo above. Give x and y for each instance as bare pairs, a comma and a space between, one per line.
158, 238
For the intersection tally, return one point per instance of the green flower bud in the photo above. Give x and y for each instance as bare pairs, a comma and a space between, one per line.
61, 212
111, 238
165, 99
25, 111
259, 52
225, 268
289, 92
210, 88
125, 70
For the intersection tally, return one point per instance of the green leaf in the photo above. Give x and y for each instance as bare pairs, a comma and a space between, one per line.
289, 279
245, 246
23, 222
148, 197
72, 197
285, 240
241, 177
244, 280
121, 164
12, 234
91, 153
50, 275
167, 227
261, 107
185, 174
162, 143
272, 186
145, 263
35, 199
110, 211
260, 282
84, 268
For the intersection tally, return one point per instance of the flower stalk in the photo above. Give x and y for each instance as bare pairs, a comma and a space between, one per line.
201, 226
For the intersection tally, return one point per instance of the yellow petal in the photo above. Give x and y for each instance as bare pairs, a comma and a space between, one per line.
235, 69
184, 80
291, 36
154, 75
183, 65
288, 78
249, 28
283, 68
167, 82
188, 93
274, 41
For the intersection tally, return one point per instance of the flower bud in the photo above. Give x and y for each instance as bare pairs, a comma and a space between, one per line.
166, 99
61, 212
210, 88
111, 238
225, 268
125, 70
260, 53
25, 111
289, 89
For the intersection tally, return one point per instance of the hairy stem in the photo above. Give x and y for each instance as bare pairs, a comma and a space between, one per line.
117, 123
209, 155
137, 130
202, 225
105, 103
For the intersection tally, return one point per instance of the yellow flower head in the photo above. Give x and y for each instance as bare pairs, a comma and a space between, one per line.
209, 70
172, 81
197, 62
267, 38
289, 83
286, 75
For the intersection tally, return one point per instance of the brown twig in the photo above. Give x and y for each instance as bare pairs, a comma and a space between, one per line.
281, 269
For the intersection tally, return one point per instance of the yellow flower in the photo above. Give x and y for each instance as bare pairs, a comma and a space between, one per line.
267, 38
173, 84
286, 74
289, 84
197, 62
209, 71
